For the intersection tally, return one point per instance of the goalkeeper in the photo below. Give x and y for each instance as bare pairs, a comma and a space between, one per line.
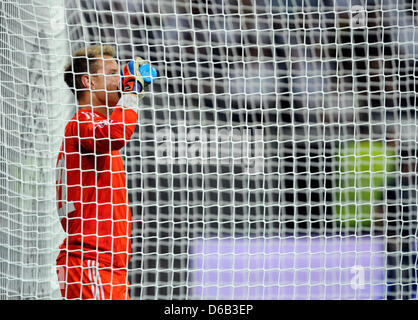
91, 186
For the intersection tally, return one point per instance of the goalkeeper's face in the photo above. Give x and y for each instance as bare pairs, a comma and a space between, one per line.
106, 82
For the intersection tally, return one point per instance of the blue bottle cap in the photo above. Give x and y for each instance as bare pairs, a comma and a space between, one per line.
148, 72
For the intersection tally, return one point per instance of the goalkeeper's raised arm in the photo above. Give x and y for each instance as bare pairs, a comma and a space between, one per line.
91, 185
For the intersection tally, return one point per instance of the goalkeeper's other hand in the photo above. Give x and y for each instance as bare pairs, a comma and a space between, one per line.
136, 75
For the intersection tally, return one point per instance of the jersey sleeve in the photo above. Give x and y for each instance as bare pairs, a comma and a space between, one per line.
101, 135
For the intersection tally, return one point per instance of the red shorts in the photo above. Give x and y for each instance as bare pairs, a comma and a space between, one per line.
87, 279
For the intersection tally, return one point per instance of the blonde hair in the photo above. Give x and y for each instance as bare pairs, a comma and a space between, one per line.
84, 61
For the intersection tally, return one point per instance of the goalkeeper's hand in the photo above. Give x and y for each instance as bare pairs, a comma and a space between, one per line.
136, 75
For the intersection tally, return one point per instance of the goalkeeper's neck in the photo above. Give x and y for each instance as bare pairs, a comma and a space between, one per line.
104, 110
86, 103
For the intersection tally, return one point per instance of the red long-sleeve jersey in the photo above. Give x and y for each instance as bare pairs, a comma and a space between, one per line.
91, 187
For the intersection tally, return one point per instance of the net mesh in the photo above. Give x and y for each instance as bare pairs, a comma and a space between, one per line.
275, 126
29, 135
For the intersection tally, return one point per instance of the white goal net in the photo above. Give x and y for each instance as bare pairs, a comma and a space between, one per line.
274, 156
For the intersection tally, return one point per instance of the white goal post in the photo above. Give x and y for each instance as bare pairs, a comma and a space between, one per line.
33, 44
274, 158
